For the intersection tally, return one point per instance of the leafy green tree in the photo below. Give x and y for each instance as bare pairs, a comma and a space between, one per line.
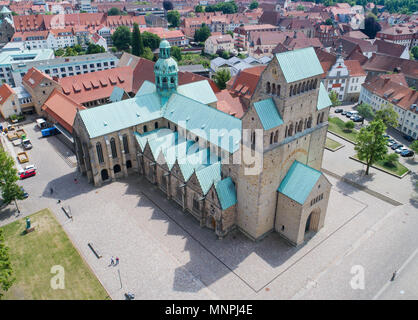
388, 116
349, 125
365, 110
371, 144
114, 12
414, 147
168, 5
148, 54
136, 41
121, 38
391, 159
10, 191
202, 33
6, 269
414, 52
198, 8
333, 96
176, 53
222, 77
95, 48
150, 40
69, 52
59, 52
78, 48
300, 8
253, 5
173, 17
329, 22
371, 26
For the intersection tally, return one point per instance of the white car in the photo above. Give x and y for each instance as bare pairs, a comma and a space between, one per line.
401, 149
28, 167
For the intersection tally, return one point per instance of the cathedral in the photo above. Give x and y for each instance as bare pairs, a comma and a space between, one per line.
259, 174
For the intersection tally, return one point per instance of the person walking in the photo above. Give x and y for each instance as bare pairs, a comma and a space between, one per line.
52, 190
112, 262
117, 261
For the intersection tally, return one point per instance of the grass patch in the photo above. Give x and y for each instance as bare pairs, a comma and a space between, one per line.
397, 168
34, 254
336, 125
194, 58
332, 144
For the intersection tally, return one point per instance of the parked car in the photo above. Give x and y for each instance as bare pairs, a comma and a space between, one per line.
357, 118
396, 146
389, 143
348, 114
30, 166
344, 113
407, 153
339, 110
26, 144
28, 173
401, 149
25, 194
408, 138
386, 136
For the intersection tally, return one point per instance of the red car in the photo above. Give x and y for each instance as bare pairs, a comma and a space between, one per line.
28, 173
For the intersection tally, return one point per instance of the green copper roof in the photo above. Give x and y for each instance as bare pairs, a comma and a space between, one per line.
323, 98
225, 190
299, 181
200, 91
164, 44
120, 115
146, 88
268, 114
5, 10
208, 176
117, 94
299, 64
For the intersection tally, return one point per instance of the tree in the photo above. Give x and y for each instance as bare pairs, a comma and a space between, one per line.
202, 33
10, 191
114, 12
414, 147
69, 52
121, 38
253, 5
365, 110
168, 5
150, 40
222, 53
371, 144
414, 52
391, 159
371, 26
349, 125
222, 77
176, 53
329, 22
136, 41
6, 270
334, 98
173, 17
78, 48
300, 8
59, 52
388, 116
148, 54
198, 8
95, 48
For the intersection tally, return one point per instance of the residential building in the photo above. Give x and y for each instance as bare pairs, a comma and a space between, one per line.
242, 34
403, 34
219, 42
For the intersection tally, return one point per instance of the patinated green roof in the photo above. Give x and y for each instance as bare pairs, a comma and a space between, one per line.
200, 91
164, 44
268, 114
323, 98
225, 189
299, 64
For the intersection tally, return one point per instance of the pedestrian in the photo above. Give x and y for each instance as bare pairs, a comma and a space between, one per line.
117, 261
75, 180
112, 262
59, 201
52, 190
393, 276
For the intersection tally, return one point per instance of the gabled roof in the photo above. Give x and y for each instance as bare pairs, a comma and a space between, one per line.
199, 90
225, 189
117, 94
299, 64
62, 109
5, 92
268, 114
34, 77
299, 181
323, 98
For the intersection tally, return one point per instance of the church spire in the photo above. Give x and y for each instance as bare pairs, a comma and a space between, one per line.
166, 71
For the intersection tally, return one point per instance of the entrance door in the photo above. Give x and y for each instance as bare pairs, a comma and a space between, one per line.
308, 223
105, 175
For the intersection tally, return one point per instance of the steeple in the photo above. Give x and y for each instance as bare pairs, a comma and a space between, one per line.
166, 71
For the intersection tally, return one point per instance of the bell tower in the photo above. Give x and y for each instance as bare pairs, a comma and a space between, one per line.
166, 71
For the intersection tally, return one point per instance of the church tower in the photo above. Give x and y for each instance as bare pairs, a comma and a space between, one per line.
166, 71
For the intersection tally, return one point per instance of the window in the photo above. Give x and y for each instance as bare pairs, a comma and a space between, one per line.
196, 204
113, 148
125, 143
99, 152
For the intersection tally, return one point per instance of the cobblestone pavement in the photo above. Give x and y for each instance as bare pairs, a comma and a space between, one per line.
163, 252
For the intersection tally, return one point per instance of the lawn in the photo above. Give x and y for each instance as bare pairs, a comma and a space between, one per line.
34, 254
332, 144
336, 125
397, 168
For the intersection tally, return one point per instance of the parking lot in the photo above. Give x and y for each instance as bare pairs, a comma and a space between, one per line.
164, 254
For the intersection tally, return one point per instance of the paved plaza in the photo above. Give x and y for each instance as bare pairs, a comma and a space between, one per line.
165, 254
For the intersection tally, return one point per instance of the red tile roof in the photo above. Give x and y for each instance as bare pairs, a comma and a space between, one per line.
5, 92
229, 104
62, 108
34, 77
354, 68
96, 85
245, 82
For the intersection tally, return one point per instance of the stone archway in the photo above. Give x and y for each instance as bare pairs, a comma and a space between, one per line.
312, 221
